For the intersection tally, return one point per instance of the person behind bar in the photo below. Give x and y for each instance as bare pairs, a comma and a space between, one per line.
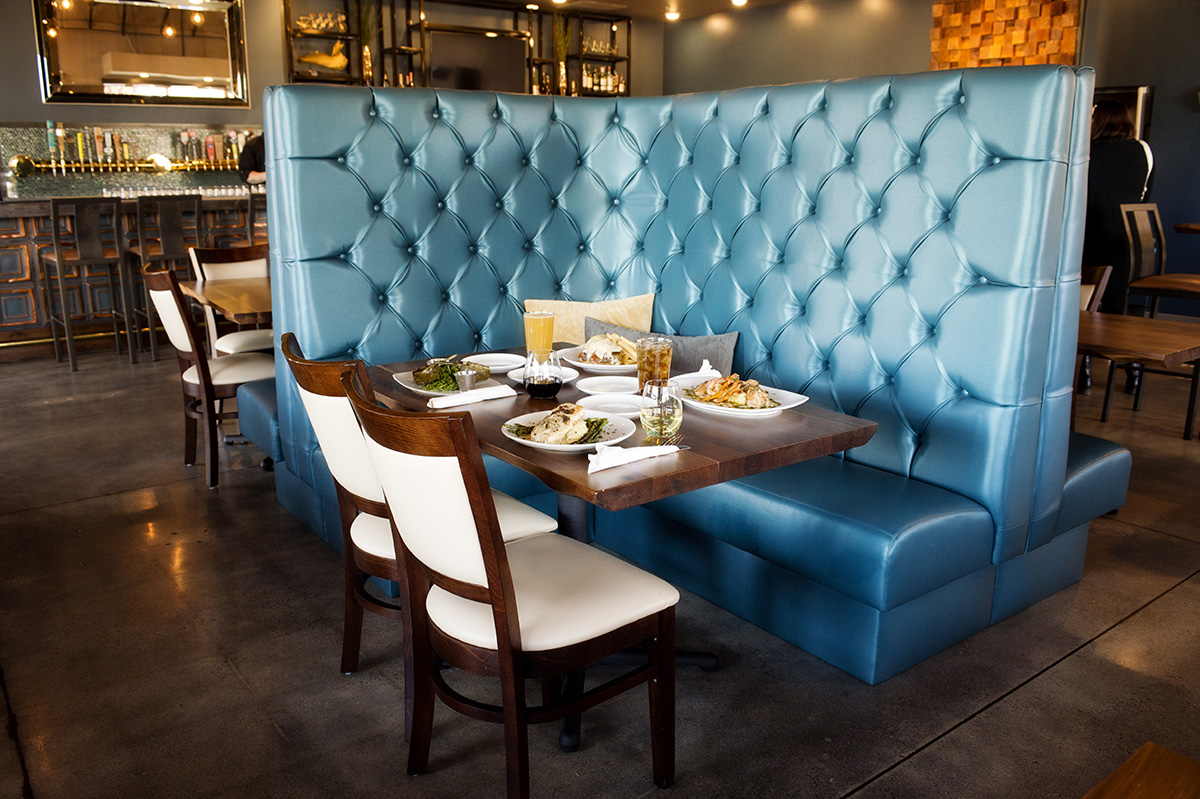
252, 165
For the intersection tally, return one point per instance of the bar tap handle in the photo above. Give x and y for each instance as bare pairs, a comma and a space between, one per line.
98, 140
51, 142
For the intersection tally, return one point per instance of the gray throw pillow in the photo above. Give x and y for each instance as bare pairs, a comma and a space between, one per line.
687, 352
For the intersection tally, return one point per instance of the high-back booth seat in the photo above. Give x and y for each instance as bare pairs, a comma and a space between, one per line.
904, 249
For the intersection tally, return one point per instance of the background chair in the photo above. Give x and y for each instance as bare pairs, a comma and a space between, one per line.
167, 226
231, 263
1148, 279
535, 608
205, 380
1093, 280
94, 238
1148, 259
367, 546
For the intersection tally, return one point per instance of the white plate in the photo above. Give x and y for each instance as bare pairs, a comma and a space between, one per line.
617, 429
572, 353
406, 379
614, 384
627, 405
786, 399
496, 361
568, 374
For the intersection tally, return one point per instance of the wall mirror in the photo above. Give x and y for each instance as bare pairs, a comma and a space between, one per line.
173, 52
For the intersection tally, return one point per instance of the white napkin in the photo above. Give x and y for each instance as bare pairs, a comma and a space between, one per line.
475, 395
705, 372
607, 456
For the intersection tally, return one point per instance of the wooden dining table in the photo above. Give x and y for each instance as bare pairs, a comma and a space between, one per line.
246, 301
1140, 339
721, 448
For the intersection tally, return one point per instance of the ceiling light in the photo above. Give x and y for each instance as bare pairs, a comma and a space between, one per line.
672, 15
491, 34
559, 2
739, 2
197, 18
532, 6
51, 32
168, 31
65, 5
143, 75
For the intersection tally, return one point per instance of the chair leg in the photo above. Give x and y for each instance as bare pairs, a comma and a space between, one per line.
662, 701
1141, 382
569, 729
516, 739
151, 324
422, 714
211, 443
190, 430
352, 623
1189, 424
128, 312
68, 334
1108, 389
45, 294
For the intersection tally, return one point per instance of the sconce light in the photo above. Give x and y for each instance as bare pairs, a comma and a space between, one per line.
739, 2
197, 18
168, 30
672, 14
51, 32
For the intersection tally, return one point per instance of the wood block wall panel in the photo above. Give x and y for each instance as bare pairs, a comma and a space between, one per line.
992, 33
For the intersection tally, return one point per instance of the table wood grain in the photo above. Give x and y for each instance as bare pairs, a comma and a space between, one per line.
1187, 227
1138, 338
1152, 772
246, 301
722, 448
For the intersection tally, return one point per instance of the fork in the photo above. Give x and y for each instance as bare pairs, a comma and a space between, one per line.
666, 442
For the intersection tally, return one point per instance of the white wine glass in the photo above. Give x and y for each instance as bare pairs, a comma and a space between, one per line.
662, 408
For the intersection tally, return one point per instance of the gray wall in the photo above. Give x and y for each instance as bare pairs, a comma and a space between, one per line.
801, 41
21, 99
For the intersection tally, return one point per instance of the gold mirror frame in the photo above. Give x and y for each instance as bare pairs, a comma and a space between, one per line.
57, 20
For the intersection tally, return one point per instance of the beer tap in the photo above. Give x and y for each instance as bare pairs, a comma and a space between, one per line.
50, 142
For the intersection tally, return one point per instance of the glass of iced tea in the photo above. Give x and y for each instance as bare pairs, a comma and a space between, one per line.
539, 330
654, 359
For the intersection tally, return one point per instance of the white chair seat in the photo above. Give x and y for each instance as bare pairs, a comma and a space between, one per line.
235, 369
566, 591
373, 534
258, 340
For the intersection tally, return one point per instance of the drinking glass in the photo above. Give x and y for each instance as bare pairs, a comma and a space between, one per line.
662, 408
654, 359
539, 330
543, 374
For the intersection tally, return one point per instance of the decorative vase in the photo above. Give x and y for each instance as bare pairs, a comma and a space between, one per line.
562, 77
368, 69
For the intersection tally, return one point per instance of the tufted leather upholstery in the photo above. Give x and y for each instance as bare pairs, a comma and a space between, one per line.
901, 248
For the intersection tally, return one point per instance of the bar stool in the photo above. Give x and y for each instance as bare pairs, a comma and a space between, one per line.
167, 227
256, 217
95, 239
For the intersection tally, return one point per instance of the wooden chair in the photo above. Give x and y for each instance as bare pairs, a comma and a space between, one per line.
1148, 259
205, 380
1149, 279
231, 263
167, 226
367, 546
1093, 280
536, 608
95, 238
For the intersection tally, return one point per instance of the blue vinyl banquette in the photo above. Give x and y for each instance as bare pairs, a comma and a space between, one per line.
902, 248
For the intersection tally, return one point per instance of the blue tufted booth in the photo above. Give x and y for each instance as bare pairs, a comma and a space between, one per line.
901, 248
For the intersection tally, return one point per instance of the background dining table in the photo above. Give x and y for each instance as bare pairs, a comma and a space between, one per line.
246, 301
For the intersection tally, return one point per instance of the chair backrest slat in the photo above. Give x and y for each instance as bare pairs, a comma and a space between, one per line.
95, 222
1144, 234
231, 263
175, 222
164, 291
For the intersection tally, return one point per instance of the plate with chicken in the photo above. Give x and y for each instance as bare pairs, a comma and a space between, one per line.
732, 396
568, 428
608, 353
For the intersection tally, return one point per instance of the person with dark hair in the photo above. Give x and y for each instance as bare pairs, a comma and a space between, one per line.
1118, 173
252, 165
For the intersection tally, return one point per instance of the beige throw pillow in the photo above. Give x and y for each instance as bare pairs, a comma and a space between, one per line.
633, 312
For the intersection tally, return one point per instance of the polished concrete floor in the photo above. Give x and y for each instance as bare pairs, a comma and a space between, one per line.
158, 639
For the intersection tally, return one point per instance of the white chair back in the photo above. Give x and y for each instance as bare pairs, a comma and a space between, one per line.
172, 319
429, 504
233, 270
342, 443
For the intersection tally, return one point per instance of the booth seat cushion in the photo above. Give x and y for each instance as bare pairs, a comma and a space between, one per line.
1097, 479
688, 353
258, 416
874, 536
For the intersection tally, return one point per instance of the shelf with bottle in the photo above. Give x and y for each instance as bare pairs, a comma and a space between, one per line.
602, 81
322, 46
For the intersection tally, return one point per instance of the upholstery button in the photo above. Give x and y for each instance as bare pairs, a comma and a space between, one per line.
468, 160
645, 161
616, 119
435, 115
553, 203
524, 162
407, 161
478, 337
862, 320
472, 249
382, 298
891, 380
583, 248
578, 162
411, 250
962, 99
964, 393
995, 160
418, 345
371, 113
441, 205
528, 246
982, 280
737, 159
503, 290
878, 210
690, 159
445, 296
341, 159
495, 115
499, 203
916, 159
849, 159
616, 201
378, 207
932, 331
612, 284
558, 286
